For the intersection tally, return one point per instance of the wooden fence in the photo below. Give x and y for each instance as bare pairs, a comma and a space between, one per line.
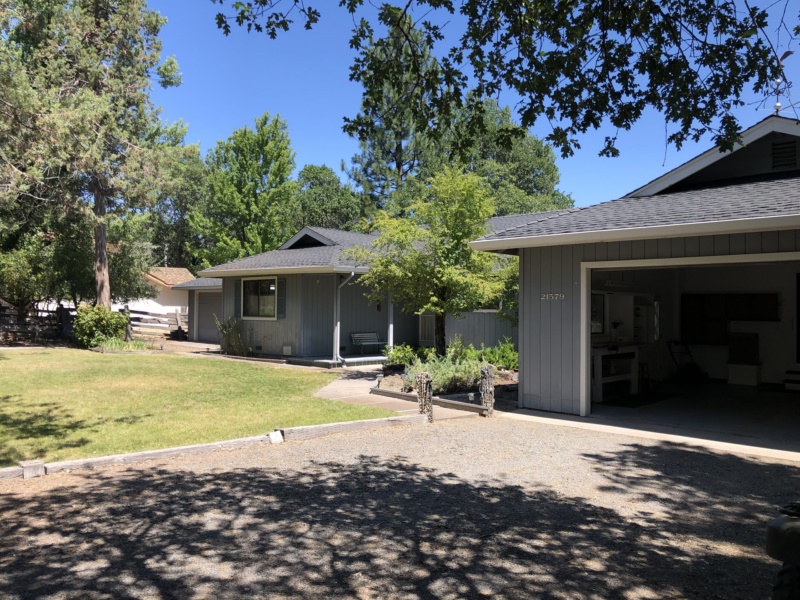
40, 323
148, 324
36, 324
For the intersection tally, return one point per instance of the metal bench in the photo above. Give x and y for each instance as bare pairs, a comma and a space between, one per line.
366, 339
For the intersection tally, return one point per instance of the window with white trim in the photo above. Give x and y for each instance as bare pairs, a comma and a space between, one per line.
259, 298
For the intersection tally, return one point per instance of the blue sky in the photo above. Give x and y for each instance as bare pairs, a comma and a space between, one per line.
303, 76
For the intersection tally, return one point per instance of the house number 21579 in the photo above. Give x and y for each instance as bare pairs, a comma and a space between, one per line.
552, 297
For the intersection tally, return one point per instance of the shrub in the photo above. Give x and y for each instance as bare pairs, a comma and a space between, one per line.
401, 354
425, 353
230, 337
447, 376
95, 324
502, 355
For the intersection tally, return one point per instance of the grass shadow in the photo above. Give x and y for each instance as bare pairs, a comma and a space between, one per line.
47, 427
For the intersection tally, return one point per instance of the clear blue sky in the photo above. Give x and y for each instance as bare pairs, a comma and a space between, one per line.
303, 76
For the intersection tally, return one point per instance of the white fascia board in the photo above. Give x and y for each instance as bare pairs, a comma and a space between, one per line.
642, 233
198, 288
709, 157
306, 231
283, 271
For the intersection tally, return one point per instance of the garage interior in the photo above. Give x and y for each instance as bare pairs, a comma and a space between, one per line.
713, 349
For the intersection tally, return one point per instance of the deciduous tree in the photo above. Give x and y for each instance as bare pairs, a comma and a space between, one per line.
424, 261
579, 64
249, 193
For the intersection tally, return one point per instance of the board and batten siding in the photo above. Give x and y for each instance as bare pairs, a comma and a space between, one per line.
480, 327
271, 335
317, 317
550, 327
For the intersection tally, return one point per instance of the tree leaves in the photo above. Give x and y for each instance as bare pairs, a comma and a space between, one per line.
581, 65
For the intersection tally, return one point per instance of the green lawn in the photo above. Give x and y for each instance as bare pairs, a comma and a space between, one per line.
62, 404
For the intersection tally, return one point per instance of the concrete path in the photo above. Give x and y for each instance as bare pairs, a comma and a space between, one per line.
353, 387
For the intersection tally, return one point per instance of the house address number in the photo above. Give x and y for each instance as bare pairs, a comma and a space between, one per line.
552, 297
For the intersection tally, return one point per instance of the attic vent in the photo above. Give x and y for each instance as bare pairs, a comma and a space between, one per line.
784, 155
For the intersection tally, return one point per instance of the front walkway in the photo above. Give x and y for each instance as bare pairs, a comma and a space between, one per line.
353, 387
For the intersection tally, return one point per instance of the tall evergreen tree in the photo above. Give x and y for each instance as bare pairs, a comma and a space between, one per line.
392, 146
77, 108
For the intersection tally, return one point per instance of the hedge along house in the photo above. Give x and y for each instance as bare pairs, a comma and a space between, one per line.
304, 300
695, 273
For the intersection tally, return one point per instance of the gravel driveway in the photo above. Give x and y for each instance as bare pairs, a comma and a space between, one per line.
459, 509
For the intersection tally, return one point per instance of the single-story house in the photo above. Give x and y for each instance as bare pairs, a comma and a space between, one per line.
304, 301
696, 272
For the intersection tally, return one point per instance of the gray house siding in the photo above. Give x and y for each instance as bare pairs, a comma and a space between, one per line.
308, 325
268, 336
550, 329
478, 328
190, 316
317, 311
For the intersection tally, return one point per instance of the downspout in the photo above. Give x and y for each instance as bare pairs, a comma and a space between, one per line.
337, 317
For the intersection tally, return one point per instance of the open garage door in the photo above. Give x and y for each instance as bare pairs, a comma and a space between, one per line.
710, 347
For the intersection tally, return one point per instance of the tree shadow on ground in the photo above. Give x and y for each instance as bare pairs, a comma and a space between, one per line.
47, 426
379, 528
725, 499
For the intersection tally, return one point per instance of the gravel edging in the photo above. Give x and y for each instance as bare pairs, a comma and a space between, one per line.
302, 432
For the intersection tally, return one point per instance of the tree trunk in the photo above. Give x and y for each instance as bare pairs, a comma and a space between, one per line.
439, 336
101, 252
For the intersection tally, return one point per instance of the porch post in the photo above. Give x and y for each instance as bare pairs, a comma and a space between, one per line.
390, 334
336, 318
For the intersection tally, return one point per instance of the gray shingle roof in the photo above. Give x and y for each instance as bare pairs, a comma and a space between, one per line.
201, 282
297, 258
497, 224
771, 198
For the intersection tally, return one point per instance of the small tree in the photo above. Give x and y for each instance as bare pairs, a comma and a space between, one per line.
25, 274
425, 261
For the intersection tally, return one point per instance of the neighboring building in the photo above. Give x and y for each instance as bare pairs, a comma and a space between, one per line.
707, 255
167, 300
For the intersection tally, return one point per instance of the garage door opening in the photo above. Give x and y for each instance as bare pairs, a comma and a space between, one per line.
712, 348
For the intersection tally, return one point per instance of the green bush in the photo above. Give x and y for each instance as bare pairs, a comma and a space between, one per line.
401, 354
503, 355
95, 324
230, 337
447, 376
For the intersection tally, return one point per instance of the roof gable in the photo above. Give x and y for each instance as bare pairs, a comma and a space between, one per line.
752, 157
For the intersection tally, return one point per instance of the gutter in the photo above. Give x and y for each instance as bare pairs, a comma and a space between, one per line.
642, 233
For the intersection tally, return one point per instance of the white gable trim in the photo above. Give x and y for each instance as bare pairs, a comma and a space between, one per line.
307, 231
769, 125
